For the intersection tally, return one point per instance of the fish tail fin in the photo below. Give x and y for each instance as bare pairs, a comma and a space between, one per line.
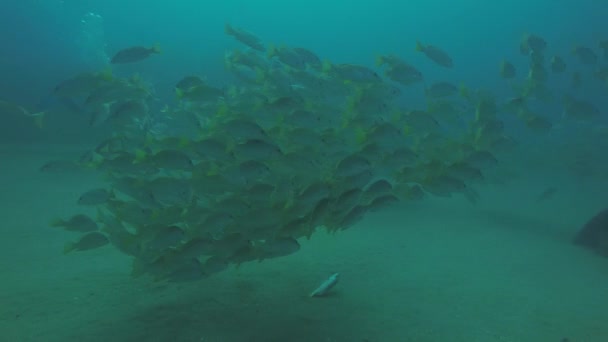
39, 119
361, 136
222, 111
463, 91
419, 46
310, 232
57, 222
327, 67
70, 246
272, 50
179, 93
140, 156
228, 29
260, 75
156, 48
106, 74
94, 162
183, 142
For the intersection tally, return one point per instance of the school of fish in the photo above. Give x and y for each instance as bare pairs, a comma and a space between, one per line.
296, 144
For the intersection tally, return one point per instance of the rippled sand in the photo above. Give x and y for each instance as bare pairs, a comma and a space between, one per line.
437, 270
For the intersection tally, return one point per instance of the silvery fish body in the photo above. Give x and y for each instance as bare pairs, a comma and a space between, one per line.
327, 285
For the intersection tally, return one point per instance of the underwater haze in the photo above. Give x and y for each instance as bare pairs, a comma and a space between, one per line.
357, 171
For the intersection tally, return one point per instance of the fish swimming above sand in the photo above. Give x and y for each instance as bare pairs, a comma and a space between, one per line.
245, 37
507, 70
95, 197
579, 109
585, 55
134, 54
60, 166
441, 89
352, 72
547, 194
199, 93
435, 54
83, 84
604, 46
89, 241
8, 108
287, 56
188, 82
531, 43
291, 145
77, 223
557, 64
398, 70
594, 234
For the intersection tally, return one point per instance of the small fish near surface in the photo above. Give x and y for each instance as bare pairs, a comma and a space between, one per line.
134, 54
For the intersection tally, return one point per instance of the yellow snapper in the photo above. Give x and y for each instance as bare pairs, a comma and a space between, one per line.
134, 54
87, 242
77, 223
435, 54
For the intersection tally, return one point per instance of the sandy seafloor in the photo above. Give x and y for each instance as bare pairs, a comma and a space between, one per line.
436, 270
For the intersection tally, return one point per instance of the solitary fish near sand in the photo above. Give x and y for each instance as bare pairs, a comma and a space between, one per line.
327, 285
